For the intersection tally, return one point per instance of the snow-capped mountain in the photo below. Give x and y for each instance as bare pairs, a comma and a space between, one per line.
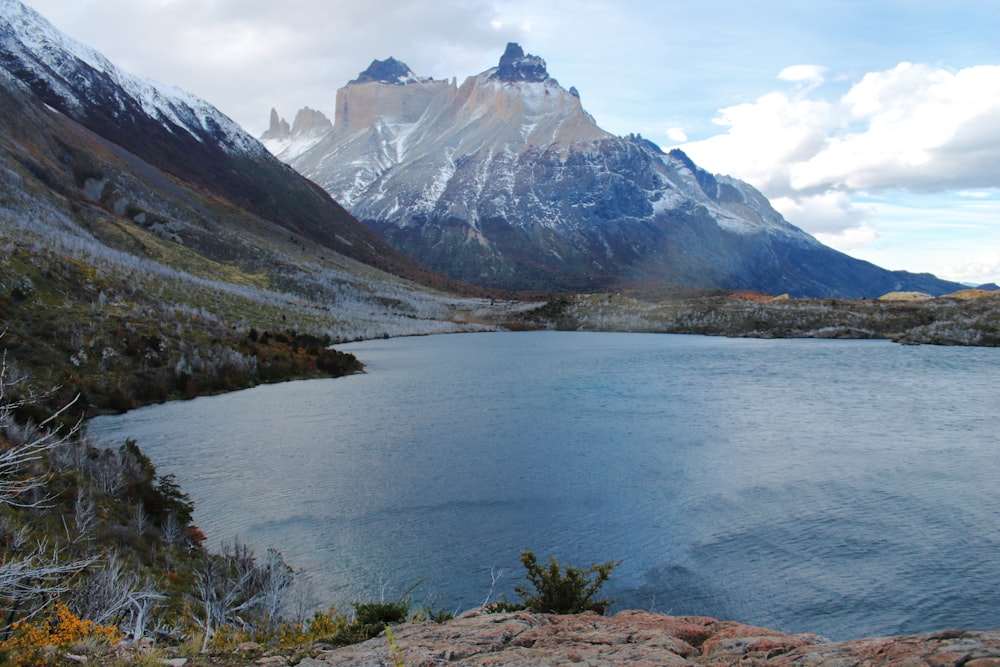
173, 140
82, 79
308, 128
505, 180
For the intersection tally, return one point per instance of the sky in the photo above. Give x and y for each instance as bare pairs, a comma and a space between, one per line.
872, 124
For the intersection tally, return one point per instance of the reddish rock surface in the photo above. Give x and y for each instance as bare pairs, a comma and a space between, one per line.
645, 639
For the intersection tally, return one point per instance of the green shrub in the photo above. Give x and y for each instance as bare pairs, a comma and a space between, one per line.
429, 613
370, 619
563, 591
381, 613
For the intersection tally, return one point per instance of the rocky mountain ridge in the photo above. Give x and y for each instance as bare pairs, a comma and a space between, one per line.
506, 181
71, 75
515, 65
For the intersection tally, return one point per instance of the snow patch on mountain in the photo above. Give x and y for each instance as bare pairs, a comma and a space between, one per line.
288, 149
287, 142
435, 189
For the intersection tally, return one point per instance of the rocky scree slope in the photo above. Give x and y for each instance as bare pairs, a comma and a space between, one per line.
505, 180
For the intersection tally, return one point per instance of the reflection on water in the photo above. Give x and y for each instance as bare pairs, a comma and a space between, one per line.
840, 487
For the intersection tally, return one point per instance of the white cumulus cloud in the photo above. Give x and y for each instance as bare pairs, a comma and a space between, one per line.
971, 271
914, 127
803, 73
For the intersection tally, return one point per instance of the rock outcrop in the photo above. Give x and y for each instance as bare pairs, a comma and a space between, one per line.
516, 66
646, 639
278, 128
308, 127
390, 71
308, 123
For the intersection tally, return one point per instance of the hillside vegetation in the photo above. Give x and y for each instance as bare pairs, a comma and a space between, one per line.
968, 317
188, 296
123, 332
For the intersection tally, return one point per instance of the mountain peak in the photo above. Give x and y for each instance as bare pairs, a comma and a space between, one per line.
516, 65
505, 181
390, 71
310, 122
278, 128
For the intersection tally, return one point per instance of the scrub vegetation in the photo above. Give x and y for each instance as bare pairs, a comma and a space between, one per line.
122, 331
99, 557
100, 560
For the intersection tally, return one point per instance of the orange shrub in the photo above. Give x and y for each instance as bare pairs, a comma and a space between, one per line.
59, 627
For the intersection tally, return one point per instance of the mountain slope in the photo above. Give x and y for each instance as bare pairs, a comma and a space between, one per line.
183, 136
127, 280
507, 181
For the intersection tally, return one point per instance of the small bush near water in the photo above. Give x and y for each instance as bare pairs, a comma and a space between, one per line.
556, 590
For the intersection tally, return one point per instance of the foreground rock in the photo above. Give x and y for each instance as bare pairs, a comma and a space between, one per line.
641, 638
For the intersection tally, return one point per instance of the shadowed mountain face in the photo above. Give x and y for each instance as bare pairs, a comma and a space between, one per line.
180, 137
506, 181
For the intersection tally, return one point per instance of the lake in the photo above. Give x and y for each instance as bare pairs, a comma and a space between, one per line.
847, 488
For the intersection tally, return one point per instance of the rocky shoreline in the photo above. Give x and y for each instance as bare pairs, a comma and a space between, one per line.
644, 639
968, 317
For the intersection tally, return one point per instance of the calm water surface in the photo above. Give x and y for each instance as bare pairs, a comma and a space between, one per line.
847, 488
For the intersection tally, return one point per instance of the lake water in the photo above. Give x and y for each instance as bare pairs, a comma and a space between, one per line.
847, 488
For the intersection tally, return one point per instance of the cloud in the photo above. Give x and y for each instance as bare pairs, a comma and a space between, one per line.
766, 139
922, 128
914, 127
848, 240
973, 271
830, 213
803, 73
677, 134
245, 56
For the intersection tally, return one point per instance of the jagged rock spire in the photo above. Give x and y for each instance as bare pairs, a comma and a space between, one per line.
278, 128
515, 65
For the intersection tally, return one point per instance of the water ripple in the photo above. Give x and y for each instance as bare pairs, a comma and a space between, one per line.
840, 487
